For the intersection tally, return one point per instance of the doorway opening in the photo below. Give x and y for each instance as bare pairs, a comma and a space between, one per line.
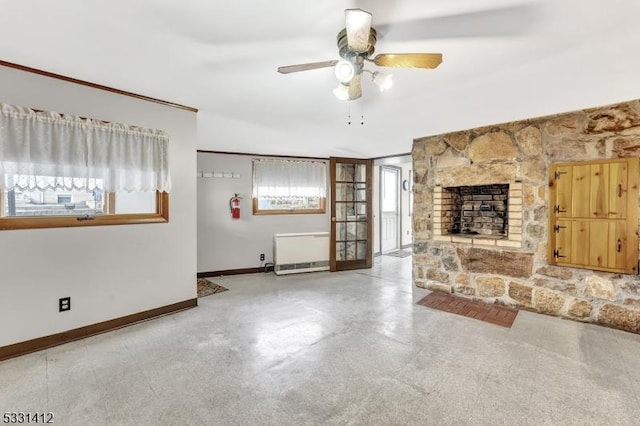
390, 226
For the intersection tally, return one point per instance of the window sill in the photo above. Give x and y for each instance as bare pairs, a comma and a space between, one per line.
11, 223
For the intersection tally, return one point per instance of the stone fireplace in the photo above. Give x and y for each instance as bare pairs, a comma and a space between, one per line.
475, 210
486, 215
480, 214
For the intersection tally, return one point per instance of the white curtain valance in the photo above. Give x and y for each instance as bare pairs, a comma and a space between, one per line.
289, 178
48, 150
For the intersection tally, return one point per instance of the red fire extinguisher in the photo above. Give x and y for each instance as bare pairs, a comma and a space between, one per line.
234, 206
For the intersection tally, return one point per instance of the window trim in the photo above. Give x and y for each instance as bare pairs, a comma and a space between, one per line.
39, 222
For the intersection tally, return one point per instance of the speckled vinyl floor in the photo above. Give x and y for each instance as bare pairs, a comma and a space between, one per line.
349, 348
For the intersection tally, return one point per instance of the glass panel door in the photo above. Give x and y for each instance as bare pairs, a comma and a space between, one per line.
351, 231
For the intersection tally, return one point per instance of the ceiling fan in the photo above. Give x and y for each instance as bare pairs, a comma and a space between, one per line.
356, 44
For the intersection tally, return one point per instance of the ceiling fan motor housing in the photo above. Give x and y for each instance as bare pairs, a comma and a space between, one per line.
348, 54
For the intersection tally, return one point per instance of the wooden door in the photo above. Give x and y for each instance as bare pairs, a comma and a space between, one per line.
593, 217
351, 214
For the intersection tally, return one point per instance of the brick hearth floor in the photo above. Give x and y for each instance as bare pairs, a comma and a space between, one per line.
499, 315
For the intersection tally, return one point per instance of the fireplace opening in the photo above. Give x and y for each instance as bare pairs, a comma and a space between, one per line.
480, 211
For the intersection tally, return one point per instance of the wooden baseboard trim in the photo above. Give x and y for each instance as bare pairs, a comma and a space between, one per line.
45, 342
234, 272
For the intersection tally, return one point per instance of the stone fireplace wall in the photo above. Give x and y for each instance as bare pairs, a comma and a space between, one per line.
515, 271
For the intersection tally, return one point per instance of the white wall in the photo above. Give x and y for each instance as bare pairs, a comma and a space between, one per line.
224, 243
108, 271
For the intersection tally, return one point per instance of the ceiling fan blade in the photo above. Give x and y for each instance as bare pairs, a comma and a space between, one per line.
408, 60
358, 28
355, 88
306, 67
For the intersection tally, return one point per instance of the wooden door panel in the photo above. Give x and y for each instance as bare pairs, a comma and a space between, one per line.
617, 245
617, 191
579, 242
563, 241
563, 178
598, 244
599, 191
581, 191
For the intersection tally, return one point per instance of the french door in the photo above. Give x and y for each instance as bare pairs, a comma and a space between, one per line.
351, 214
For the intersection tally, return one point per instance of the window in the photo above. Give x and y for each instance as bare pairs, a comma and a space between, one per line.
289, 186
593, 215
58, 170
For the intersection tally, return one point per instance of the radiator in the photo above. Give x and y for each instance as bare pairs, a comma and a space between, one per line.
306, 252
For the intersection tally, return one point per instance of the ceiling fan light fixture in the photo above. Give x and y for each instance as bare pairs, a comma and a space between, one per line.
382, 80
341, 92
344, 71
358, 24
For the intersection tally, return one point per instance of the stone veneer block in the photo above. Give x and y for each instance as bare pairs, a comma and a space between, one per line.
619, 317
492, 146
438, 287
462, 279
486, 261
435, 274
520, 293
548, 301
555, 272
600, 288
490, 286
580, 308
515, 215
481, 174
562, 286
442, 238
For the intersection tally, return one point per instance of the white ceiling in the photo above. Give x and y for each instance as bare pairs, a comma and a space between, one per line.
503, 60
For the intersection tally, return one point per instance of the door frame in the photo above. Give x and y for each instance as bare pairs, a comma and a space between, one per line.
398, 171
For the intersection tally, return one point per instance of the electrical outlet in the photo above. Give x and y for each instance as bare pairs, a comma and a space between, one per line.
261, 257
64, 304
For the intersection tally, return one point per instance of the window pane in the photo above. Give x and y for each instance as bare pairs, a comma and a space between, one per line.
341, 231
361, 173
289, 186
345, 172
362, 250
53, 202
351, 251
